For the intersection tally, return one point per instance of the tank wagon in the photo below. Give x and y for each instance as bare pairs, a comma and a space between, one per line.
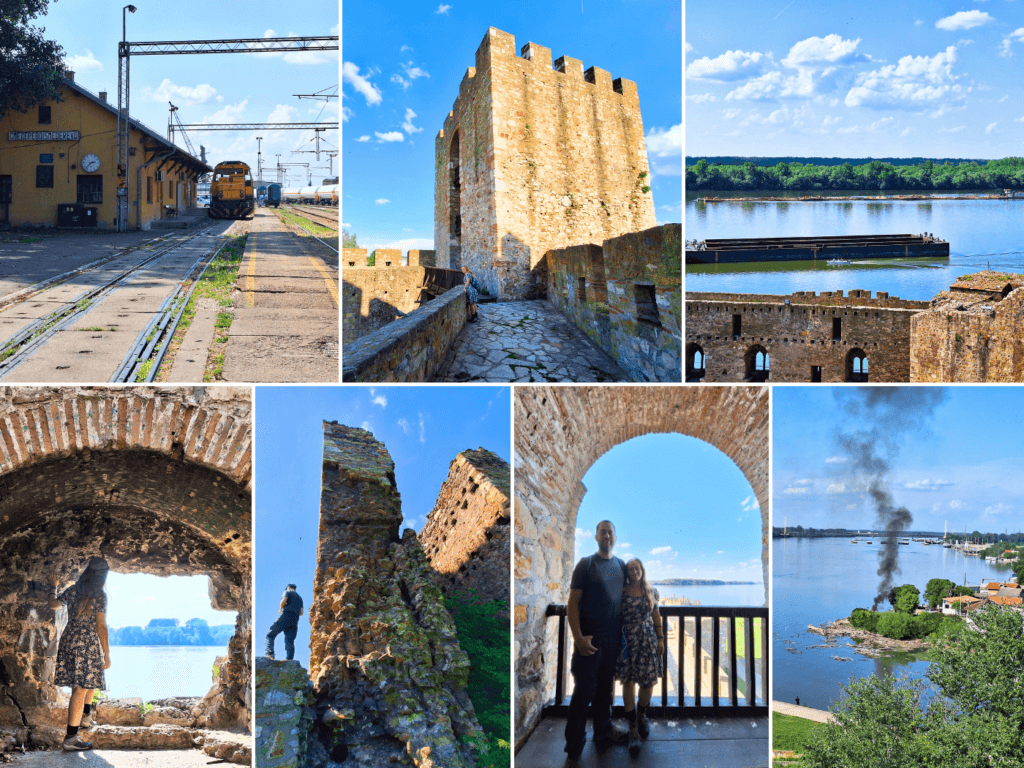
325, 194
231, 192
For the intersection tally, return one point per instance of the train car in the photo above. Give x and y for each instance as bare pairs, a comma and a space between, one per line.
307, 195
231, 192
274, 195
327, 194
292, 195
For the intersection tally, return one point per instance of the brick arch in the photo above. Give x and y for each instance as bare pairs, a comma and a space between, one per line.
560, 433
155, 480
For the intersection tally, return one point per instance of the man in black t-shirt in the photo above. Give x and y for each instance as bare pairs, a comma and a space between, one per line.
287, 622
595, 619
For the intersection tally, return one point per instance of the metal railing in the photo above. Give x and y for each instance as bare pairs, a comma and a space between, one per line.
728, 704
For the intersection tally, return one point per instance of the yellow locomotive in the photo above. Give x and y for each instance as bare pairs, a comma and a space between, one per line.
231, 193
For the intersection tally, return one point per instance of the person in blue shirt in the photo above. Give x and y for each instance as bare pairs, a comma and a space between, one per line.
287, 622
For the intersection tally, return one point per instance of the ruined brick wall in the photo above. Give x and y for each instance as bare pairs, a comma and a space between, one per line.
466, 536
384, 655
536, 156
411, 348
353, 257
799, 332
559, 433
627, 297
155, 480
963, 338
372, 298
284, 714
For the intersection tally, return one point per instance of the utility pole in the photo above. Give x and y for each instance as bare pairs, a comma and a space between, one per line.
279, 170
259, 158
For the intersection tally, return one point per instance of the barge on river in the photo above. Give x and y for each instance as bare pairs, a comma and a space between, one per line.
728, 251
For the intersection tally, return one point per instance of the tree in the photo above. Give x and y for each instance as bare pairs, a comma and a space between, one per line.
348, 239
936, 589
894, 624
906, 598
30, 66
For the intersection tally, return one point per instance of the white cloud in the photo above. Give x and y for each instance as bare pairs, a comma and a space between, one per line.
1006, 47
720, 552
584, 540
906, 132
927, 485
836, 460
836, 488
792, 489
885, 122
407, 126
915, 82
955, 504
823, 51
366, 425
729, 114
382, 201
991, 127
404, 424
423, 430
963, 20
665, 142
750, 504
380, 400
702, 98
182, 95
350, 74
763, 87
443, 9
689, 48
363, 139
996, 510
658, 551
85, 63
955, 129
805, 481
624, 545
389, 136
729, 67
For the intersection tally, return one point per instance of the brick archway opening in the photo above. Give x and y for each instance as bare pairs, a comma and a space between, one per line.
155, 483
560, 433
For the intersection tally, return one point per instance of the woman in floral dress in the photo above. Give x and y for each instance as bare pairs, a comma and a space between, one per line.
643, 650
84, 650
472, 294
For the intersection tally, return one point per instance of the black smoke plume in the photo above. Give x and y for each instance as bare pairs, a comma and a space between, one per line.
882, 417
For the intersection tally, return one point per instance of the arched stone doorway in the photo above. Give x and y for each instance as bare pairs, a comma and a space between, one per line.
757, 366
559, 433
857, 365
154, 480
695, 362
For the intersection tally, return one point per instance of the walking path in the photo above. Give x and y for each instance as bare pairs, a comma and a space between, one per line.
526, 341
817, 715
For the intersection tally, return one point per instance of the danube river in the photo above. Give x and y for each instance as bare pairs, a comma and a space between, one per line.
819, 580
982, 234
159, 671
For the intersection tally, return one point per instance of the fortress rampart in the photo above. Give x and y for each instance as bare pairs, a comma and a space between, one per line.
535, 155
802, 337
466, 536
372, 297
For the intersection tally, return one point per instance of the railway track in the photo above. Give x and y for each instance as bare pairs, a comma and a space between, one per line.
317, 214
98, 282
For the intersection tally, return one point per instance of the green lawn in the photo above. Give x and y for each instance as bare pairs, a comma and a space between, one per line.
790, 732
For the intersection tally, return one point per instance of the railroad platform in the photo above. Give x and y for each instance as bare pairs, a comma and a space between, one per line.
286, 319
186, 218
740, 742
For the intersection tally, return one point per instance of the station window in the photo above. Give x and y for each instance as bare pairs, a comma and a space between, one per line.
48, 158
44, 116
44, 176
90, 189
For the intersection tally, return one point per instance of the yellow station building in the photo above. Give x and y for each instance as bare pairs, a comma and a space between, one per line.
65, 152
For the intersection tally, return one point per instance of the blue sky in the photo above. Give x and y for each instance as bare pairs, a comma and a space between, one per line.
962, 465
679, 504
222, 88
933, 78
403, 63
423, 427
133, 599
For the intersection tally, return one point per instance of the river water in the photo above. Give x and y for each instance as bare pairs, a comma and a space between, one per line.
819, 580
982, 234
160, 671
718, 594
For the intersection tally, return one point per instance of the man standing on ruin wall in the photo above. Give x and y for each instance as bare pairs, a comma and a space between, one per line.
595, 619
287, 622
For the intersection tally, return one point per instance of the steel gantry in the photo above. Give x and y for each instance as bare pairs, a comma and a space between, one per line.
126, 49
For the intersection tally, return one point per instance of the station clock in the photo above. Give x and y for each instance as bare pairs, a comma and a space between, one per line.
90, 163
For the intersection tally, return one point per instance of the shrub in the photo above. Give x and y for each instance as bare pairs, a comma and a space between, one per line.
894, 624
862, 618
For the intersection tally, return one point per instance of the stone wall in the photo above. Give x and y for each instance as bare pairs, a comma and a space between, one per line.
284, 714
422, 258
559, 433
627, 297
973, 333
411, 348
155, 480
353, 257
384, 654
799, 333
387, 258
535, 155
466, 536
372, 297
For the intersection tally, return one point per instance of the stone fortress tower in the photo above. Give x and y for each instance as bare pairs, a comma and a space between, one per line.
385, 660
535, 156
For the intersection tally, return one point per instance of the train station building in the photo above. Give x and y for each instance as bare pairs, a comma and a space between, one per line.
59, 166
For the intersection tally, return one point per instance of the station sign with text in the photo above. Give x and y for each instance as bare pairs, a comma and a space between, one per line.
44, 135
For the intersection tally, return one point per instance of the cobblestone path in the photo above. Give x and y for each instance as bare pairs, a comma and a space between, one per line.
527, 341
